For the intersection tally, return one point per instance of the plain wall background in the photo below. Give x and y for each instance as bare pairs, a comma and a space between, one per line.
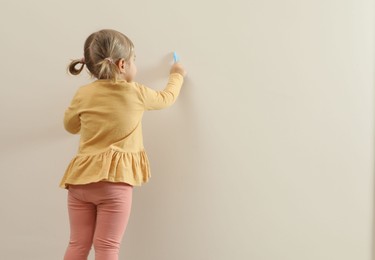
267, 154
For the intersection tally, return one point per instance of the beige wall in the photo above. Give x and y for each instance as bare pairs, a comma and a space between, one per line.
267, 155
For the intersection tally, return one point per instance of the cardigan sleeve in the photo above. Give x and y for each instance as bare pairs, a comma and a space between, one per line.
72, 122
154, 100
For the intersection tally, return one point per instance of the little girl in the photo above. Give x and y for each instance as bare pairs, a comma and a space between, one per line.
107, 114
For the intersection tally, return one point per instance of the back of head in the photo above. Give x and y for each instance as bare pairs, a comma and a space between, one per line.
102, 52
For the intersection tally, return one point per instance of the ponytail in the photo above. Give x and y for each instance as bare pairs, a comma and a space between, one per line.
107, 69
72, 66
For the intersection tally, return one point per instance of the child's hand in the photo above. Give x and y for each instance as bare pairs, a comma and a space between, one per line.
177, 68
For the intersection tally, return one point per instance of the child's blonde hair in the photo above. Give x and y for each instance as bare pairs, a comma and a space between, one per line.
102, 52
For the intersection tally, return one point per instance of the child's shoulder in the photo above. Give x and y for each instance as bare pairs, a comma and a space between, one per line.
110, 86
85, 86
89, 87
84, 91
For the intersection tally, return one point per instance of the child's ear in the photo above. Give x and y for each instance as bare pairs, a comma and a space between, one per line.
121, 65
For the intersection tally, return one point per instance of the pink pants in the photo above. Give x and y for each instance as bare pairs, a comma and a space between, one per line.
98, 214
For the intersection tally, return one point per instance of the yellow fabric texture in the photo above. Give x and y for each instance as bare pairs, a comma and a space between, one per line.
108, 117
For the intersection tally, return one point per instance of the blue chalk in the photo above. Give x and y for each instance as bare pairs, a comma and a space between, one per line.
175, 57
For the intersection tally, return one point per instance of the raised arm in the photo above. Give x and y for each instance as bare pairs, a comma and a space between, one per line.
161, 99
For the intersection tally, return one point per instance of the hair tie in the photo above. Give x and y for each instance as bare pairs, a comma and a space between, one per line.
110, 60
82, 60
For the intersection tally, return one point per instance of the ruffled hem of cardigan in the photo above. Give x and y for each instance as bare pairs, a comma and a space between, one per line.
111, 165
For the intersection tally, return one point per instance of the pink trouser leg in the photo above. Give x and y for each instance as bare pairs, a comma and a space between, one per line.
98, 214
82, 217
112, 218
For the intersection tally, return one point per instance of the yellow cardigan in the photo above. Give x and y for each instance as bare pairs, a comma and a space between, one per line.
108, 117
